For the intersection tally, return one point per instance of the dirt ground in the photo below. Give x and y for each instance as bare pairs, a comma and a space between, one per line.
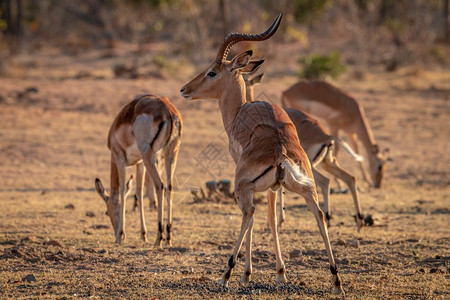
57, 242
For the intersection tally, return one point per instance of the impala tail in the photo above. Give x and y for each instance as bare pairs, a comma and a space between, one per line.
348, 149
298, 175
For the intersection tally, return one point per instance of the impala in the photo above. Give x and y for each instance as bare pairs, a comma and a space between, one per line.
264, 145
142, 128
341, 112
319, 147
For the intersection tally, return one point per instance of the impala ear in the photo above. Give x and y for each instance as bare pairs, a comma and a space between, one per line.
375, 149
257, 79
100, 189
240, 61
252, 66
386, 154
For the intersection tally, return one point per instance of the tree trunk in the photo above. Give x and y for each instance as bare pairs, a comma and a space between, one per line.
19, 17
223, 11
6, 14
446, 12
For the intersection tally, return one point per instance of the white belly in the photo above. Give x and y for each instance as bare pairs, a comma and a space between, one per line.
322, 111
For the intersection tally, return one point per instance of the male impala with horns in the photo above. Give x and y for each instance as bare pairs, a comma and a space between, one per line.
264, 145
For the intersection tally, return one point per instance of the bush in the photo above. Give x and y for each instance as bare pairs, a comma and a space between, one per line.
318, 66
308, 11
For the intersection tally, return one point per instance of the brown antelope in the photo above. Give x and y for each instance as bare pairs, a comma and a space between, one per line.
319, 146
341, 112
142, 128
264, 145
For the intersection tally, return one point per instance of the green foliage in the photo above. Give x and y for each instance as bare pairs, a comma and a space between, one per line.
160, 62
308, 11
394, 25
318, 66
439, 54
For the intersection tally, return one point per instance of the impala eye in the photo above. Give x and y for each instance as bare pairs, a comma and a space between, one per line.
211, 74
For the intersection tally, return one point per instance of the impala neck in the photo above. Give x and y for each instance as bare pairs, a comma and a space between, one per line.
365, 134
231, 102
114, 181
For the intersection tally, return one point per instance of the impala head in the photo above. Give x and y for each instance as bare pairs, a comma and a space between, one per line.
250, 84
112, 201
223, 75
377, 165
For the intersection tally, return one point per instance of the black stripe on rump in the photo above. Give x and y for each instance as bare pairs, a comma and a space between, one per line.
263, 173
160, 126
318, 153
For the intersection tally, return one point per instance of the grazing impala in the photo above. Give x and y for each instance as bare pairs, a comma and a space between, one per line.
319, 146
340, 112
264, 145
142, 128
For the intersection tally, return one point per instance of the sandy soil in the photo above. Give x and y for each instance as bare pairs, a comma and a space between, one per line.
57, 242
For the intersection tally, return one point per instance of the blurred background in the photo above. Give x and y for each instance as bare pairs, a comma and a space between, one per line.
326, 38
68, 66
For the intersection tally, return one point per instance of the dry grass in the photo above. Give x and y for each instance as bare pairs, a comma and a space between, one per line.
53, 145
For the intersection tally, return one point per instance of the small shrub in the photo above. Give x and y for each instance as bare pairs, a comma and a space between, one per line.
308, 11
318, 66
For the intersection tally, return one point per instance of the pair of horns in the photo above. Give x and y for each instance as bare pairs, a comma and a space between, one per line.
234, 38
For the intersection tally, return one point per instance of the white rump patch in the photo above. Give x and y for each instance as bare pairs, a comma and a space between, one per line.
142, 130
321, 110
297, 173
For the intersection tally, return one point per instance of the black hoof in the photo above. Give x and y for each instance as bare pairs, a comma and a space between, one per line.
338, 191
368, 220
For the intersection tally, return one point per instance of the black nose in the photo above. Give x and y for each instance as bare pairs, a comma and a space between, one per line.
182, 89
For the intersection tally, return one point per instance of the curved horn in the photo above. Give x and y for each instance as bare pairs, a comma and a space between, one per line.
234, 38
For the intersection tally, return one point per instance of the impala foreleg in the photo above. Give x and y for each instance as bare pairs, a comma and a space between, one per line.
121, 170
244, 199
354, 144
248, 269
150, 191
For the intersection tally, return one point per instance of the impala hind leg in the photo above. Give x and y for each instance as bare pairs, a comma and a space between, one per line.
309, 192
324, 184
282, 212
140, 175
159, 187
170, 162
244, 199
272, 216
